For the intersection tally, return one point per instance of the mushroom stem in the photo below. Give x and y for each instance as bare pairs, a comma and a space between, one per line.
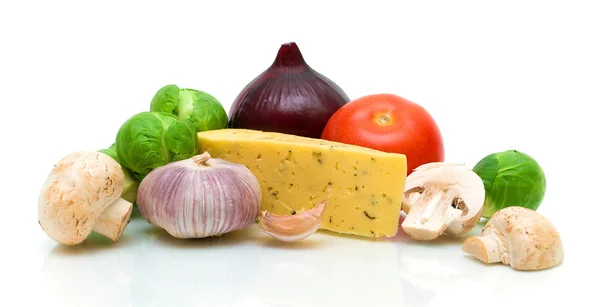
114, 219
430, 213
487, 249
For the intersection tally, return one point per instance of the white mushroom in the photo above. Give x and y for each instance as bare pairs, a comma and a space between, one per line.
82, 194
441, 198
519, 237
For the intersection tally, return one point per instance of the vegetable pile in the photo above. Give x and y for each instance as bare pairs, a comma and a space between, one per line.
158, 163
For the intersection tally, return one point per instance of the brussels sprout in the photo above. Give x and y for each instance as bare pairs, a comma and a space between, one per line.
130, 184
204, 111
111, 152
511, 178
148, 140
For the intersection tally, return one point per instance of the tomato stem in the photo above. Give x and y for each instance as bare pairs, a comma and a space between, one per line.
384, 120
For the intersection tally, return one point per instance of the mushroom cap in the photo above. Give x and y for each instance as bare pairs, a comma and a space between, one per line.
415, 179
531, 240
76, 191
459, 180
431, 165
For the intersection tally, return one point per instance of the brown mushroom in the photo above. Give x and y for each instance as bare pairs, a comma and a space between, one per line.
441, 198
519, 237
82, 194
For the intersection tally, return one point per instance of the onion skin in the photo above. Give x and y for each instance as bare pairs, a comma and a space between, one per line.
289, 97
196, 200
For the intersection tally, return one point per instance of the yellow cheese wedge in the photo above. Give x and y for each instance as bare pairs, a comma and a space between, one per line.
296, 173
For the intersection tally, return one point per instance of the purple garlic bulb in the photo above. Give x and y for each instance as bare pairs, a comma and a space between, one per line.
200, 197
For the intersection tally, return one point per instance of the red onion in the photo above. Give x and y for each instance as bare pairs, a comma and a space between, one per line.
289, 97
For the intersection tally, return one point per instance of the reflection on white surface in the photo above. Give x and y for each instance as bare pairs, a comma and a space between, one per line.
147, 267
439, 274
430, 267
92, 274
338, 271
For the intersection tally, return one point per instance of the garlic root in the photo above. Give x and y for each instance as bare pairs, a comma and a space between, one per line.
291, 228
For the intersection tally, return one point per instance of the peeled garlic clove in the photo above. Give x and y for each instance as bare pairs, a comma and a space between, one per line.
291, 228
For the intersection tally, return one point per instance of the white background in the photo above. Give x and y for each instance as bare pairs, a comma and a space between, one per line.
495, 75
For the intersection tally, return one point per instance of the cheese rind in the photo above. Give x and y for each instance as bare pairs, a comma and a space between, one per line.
296, 173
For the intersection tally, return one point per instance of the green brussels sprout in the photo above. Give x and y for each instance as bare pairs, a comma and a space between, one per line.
149, 140
204, 111
511, 178
130, 184
111, 152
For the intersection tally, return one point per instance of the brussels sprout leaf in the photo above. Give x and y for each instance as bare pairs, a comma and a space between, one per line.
166, 100
181, 140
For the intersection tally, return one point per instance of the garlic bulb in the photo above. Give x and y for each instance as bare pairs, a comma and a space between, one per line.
200, 197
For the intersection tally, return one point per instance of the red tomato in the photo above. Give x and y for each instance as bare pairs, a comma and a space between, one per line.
388, 123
